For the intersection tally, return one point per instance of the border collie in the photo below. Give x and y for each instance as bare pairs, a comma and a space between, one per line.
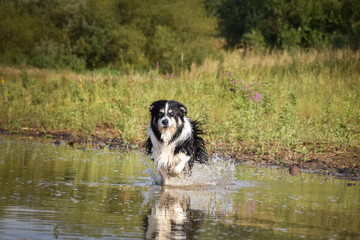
174, 142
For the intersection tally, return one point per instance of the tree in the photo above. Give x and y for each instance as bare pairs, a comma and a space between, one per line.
287, 23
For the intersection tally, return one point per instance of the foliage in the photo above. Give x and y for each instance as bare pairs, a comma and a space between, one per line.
122, 34
135, 35
284, 23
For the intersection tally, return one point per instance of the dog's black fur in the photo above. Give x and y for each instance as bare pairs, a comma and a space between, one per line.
174, 141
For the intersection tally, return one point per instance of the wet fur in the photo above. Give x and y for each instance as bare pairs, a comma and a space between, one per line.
174, 149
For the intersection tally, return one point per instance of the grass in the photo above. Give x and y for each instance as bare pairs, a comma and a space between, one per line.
302, 101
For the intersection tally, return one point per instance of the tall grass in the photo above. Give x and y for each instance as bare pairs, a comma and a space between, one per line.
303, 101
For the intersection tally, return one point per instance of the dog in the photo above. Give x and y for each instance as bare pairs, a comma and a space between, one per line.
174, 142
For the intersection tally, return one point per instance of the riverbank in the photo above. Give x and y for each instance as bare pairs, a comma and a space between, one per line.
339, 163
280, 107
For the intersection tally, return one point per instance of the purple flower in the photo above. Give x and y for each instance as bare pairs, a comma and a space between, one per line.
244, 87
172, 76
157, 66
233, 81
167, 75
230, 75
257, 97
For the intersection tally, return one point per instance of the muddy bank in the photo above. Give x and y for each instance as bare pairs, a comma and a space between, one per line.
100, 140
343, 164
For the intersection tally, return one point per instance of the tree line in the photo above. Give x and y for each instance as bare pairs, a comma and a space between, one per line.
136, 35
288, 23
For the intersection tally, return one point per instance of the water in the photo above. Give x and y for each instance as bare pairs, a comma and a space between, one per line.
57, 192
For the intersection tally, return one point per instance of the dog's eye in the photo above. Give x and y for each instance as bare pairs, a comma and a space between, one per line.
171, 114
160, 114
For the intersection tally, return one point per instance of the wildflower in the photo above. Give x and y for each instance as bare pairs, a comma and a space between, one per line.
258, 97
244, 87
172, 76
233, 81
157, 66
2, 80
141, 91
230, 75
167, 75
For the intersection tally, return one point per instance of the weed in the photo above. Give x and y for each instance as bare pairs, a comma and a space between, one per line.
268, 101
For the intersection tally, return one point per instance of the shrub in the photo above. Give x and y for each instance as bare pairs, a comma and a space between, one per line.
50, 54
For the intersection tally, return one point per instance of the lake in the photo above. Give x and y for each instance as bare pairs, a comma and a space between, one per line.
50, 191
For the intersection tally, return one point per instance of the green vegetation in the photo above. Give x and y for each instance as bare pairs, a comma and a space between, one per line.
261, 103
94, 66
288, 23
121, 34
135, 35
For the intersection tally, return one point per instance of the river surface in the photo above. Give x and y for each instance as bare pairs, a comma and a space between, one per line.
50, 191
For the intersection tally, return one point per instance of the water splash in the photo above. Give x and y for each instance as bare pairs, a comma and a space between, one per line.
156, 179
220, 172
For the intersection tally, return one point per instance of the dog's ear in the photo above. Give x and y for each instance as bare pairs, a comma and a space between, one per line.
183, 109
151, 108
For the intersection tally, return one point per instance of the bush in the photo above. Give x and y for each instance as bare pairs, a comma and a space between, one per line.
50, 54
284, 23
120, 34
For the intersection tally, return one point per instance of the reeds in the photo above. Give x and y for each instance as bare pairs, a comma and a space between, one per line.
249, 101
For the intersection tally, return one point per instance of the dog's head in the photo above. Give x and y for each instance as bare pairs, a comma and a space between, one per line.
166, 114
167, 117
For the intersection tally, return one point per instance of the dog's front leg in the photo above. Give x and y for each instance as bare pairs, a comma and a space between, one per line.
164, 175
182, 160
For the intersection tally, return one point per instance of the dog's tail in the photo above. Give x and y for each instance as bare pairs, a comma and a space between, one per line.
201, 155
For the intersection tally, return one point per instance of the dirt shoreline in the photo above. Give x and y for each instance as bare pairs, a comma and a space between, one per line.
343, 164
339, 164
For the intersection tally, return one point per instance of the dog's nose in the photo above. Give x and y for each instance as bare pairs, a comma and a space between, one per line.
165, 121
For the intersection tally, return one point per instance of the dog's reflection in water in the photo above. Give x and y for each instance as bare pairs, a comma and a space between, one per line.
171, 217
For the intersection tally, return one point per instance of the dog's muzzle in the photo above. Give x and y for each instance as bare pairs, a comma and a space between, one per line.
165, 123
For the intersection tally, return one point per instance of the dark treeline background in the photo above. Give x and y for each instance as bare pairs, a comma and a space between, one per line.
136, 34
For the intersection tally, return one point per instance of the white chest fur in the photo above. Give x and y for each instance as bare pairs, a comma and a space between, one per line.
163, 152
